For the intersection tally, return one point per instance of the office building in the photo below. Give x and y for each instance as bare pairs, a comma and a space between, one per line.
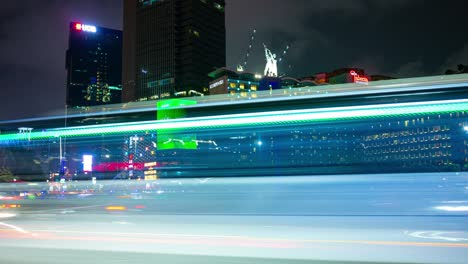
246, 84
170, 46
94, 65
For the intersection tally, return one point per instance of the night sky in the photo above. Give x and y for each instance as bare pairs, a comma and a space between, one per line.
400, 38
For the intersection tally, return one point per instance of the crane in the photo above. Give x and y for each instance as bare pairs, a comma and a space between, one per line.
283, 54
285, 51
241, 67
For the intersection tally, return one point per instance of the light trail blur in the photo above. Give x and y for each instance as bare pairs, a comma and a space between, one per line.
143, 190
341, 218
253, 119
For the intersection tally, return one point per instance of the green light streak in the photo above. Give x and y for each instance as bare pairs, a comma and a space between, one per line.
168, 110
252, 119
174, 103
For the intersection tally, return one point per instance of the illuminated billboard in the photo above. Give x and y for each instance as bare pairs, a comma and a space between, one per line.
87, 163
358, 78
174, 138
87, 28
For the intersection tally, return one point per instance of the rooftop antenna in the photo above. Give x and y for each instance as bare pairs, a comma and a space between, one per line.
241, 67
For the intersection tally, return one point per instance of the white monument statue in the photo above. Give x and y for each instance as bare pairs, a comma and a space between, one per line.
271, 69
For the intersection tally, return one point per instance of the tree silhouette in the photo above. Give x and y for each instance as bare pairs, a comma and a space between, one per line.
6, 175
460, 69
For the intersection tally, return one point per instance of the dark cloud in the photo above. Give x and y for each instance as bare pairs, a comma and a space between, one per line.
411, 69
33, 41
458, 57
384, 37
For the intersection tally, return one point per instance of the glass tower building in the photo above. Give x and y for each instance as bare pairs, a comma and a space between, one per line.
171, 46
94, 66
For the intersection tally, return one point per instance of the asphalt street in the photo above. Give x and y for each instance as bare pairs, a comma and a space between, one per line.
412, 218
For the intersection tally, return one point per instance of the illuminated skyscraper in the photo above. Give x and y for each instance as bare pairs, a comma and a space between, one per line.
94, 65
171, 46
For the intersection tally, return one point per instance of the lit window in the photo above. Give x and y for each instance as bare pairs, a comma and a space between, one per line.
253, 87
242, 86
232, 85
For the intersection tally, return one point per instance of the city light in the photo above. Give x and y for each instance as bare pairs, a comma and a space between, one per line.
7, 215
83, 27
87, 163
452, 208
359, 79
116, 208
216, 84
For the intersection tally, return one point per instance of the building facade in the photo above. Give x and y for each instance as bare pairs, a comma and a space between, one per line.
246, 84
342, 75
170, 46
433, 142
226, 81
94, 65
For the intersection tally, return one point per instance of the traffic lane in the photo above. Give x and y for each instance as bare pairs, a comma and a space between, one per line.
402, 228
279, 237
20, 255
339, 202
408, 194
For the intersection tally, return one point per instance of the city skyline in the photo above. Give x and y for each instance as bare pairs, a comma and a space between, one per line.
318, 34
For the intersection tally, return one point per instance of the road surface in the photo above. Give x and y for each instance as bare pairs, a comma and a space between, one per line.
410, 218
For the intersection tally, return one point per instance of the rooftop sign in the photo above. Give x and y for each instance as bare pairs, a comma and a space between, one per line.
83, 27
359, 79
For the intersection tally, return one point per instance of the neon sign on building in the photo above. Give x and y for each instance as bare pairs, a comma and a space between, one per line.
216, 84
359, 79
83, 27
